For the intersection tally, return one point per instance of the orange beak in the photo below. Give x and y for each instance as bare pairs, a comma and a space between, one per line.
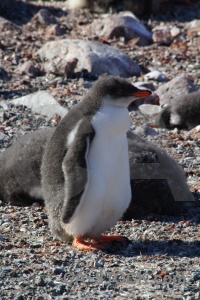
141, 94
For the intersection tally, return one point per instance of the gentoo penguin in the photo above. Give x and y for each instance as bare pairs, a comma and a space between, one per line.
85, 168
183, 114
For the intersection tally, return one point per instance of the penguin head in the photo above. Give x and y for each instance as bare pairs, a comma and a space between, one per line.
117, 91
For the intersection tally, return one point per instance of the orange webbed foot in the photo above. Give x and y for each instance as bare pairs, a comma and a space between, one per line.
87, 246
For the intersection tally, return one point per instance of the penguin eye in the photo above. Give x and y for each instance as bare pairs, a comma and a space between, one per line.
119, 92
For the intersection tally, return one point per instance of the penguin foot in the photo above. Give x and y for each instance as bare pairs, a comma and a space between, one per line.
86, 246
112, 238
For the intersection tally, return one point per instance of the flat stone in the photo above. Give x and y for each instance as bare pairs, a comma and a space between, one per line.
125, 25
181, 85
95, 57
175, 31
41, 102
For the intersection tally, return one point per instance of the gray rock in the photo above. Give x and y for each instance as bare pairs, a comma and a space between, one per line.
162, 35
41, 102
178, 86
123, 25
197, 128
44, 17
2, 116
175, 31
145, 131
153, 99
193, 26
196, 275
56, 29
19, 297
147, 85
40, 281
155, 75
3, 74
58, 271
94, 57
3, 137
149, 110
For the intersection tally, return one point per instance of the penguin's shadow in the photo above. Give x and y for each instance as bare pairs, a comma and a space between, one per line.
157, 248
170, 12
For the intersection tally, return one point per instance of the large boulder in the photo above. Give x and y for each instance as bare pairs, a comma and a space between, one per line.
95, 57
123, 25
170, 91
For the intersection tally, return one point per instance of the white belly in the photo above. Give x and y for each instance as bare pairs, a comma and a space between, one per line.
108, 192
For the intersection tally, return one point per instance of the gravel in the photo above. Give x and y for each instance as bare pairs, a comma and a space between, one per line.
162, 258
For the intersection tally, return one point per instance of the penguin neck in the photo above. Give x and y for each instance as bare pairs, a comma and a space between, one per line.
110, 119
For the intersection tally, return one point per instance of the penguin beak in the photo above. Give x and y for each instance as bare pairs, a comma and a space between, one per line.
141, 93
143, 97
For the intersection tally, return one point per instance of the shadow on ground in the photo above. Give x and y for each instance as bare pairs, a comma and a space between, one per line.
174, 247
21, 12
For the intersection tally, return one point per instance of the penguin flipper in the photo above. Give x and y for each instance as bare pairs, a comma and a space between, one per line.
74, 166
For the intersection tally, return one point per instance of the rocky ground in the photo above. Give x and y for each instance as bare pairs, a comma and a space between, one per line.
163, 259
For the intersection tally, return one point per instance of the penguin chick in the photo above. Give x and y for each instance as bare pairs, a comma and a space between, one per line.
158, 183
85, 168
183, 114
20, 180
